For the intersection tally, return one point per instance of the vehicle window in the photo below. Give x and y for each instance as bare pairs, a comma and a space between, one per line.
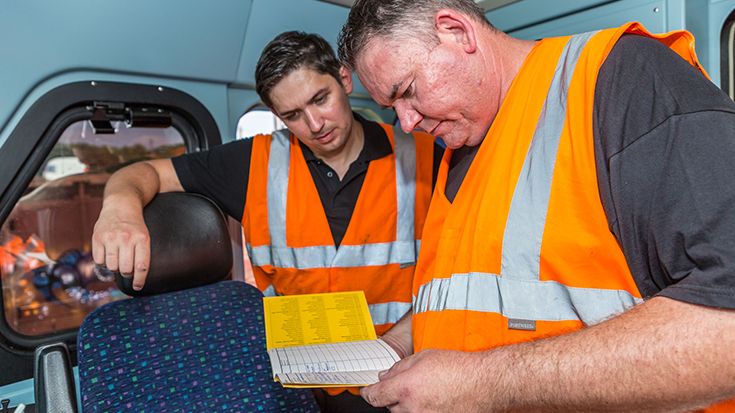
258, 120
49, 281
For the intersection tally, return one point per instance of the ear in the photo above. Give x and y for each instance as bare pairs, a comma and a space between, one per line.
345, 76
453, 26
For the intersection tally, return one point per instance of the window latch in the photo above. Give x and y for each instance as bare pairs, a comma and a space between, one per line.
147, 117
102, 113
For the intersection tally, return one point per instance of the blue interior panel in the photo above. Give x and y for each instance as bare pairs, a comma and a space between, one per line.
164, 37
271, 17
653, 15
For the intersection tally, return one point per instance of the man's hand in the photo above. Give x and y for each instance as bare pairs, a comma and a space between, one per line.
121, 242
430, 381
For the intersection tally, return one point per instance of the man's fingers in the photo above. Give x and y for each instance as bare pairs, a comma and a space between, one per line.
111, 260
382, 394
142, 262
126, 259
98, 251
397, 368
371, 394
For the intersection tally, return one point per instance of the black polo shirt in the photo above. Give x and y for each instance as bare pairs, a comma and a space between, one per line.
221, 174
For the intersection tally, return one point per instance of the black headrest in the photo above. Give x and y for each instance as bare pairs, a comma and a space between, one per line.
190, 244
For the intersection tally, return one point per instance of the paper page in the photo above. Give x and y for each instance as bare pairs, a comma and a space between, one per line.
337, 379
354, 363
298, 320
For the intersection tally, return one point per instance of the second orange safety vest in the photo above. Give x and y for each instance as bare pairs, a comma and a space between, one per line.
291, 246
288, 237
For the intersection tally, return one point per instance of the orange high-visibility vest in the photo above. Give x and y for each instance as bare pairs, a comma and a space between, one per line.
524, 251
291, 246
288, 237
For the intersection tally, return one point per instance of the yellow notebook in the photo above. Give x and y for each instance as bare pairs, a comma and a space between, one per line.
324, 340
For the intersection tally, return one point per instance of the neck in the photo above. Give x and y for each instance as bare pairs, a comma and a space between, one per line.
341, 160
505, 58
500, 60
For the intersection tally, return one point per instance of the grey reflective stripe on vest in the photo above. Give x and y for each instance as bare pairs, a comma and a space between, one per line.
327, 256
518, 293
270, 291
391, 312
521, 299
527, 216
405, 154
279, 161
403, 250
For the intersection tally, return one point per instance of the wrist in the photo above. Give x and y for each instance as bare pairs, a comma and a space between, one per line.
122, 204
402, 349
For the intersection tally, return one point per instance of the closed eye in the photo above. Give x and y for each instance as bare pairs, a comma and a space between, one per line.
290, 116
320, 97
410, 90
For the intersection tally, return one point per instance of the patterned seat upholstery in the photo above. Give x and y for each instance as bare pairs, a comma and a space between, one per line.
196, 350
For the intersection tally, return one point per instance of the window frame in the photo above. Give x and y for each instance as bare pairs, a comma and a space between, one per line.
38, 132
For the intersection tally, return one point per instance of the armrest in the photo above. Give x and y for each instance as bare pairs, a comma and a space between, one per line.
53, 380
190, 244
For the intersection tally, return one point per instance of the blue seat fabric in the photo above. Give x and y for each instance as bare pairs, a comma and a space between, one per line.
197, 350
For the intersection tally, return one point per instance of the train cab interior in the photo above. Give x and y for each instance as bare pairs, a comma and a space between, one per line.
87, 88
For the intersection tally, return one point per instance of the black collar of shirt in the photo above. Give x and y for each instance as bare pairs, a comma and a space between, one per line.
376, 145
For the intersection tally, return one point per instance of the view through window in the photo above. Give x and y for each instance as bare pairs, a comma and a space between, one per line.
49, 279
259, 120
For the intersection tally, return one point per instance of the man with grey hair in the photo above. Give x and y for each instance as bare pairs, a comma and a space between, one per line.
578, 252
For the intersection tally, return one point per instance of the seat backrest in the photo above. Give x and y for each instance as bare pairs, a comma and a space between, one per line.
190, 244
194, 349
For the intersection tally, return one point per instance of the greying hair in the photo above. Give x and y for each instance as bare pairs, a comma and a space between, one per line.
288, 52
395, 19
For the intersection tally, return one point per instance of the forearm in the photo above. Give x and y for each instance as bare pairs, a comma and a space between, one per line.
399, 336
661, 356
137, 184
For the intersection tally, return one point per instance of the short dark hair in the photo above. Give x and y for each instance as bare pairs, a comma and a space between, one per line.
386, 18
288, 52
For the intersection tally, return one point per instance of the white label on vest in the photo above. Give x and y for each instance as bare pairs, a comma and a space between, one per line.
518, 324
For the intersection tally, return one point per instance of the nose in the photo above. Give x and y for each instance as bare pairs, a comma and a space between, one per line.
313, 120
409, 117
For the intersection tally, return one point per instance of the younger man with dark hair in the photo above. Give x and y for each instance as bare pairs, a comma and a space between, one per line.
334, 203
